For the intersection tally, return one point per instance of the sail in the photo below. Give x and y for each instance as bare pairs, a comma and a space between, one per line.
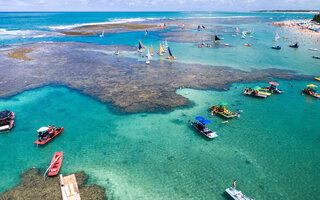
203, 27
169, 53
140, 45
237, 30
216, 38
151, 49
276, 38
166, 43
160, 48
149, 55
199, 27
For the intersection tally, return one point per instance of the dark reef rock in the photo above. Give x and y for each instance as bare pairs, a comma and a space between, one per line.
33, 186
127, 84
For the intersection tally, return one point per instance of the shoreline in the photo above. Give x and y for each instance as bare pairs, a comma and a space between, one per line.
292, 25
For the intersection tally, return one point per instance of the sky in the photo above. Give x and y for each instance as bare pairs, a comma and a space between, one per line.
156, 5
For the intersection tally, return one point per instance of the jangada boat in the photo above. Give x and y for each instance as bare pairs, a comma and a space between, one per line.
201, 127
55, 163
45, 135
6, 120
170, 56
221, 110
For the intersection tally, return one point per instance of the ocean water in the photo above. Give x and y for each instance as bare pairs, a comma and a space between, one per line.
272, 149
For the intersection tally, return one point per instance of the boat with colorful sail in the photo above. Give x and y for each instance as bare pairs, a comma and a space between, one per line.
161, 51
170, 56
149, 57
151, 50
276, 37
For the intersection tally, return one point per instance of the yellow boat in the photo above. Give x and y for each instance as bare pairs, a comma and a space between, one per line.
221, 110
266, 93
317, 78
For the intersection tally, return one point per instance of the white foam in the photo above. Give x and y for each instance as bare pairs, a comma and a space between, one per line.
28, 33
113, 21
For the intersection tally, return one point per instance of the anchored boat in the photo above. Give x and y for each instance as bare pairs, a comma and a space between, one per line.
55, 164
201, 127
221, 110
310, 91
6, 120
254, 92
236, 194
273, 88
45, 134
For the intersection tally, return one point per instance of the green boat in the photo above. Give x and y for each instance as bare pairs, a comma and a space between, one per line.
221, 110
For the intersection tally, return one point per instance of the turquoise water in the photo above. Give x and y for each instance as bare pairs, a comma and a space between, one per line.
272, 149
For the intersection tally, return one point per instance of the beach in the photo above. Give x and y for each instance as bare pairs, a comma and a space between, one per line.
301, 29
126, 132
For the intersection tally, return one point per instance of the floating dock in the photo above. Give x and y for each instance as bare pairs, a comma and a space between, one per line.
69, 187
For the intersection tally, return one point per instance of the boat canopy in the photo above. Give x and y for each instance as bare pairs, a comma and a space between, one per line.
223, 103
4, 114
42, 129
311, 85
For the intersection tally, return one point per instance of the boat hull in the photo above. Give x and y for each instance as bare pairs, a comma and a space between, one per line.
237, 195
47, 140
227, 115
306, 92
56, 164
255, 95
10, 124
210, 136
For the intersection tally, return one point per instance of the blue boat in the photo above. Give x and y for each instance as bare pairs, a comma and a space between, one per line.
276, 47
201, 127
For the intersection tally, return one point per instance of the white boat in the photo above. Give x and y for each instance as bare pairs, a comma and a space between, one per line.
164, 47
277, 37
237, 195
149, 57
313, 49
102, 35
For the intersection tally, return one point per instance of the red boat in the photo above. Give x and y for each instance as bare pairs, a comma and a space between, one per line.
55, 163
45, 136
